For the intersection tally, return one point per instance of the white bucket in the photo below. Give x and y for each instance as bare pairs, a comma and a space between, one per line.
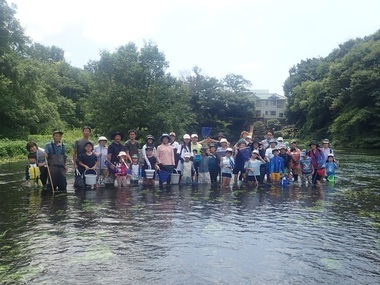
174, 178
149, 173
90, 179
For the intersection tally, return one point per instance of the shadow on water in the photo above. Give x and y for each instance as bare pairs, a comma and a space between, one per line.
194, 235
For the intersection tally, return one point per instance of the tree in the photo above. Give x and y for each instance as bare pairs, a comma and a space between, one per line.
236, 83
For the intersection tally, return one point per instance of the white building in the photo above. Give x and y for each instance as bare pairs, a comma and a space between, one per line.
269, 105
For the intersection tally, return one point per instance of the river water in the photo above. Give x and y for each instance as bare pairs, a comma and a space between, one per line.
183, 235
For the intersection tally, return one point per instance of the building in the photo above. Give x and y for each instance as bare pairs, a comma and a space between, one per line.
269, 105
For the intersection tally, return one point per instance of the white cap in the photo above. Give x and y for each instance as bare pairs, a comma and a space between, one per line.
187, 154
186, 136
122, 153
223, 140
280, 139
194, 136
102, 138
255, 151
229, 149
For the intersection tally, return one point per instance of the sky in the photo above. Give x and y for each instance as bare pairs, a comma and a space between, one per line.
258, 39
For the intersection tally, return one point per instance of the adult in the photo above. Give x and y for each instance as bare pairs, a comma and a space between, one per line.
268, 137
318, 158
295, 155
286, 157
280, 142
184, 149
326, 147
213, 163
165, 156
32, 147
258, 147
132, 146
195, 144
80, 143
55, 152
115, 148
269, 155
240, 159
173, 141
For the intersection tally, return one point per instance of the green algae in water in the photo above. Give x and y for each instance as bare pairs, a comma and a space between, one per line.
99, 252
331, 263
214, 229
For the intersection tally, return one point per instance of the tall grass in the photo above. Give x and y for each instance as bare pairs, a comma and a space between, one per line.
15, 150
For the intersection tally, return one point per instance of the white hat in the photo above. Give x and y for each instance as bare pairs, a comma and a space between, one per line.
122, 153
223, 140
229, 149
248, 137
194, 136
187, 154
280, 139
255, 151
186, 136
102, 138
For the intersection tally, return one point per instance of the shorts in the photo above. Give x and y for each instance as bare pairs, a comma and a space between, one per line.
275, 176
226, 175
238, 168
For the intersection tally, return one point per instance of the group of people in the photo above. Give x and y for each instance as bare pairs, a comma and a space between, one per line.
209, 161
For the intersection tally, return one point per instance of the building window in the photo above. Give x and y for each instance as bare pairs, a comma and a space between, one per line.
266, 113
273, 103
281, 115
258, 103
280, 104
273, 113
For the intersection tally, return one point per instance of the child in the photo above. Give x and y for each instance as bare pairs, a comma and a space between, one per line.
276, 167
242, 155
252, 168
188, 170
227, 163
201, 166
135, 168
331, 166
120, 170
101, 150
213, 164
87, 160
32, 172
149, 157
307, 168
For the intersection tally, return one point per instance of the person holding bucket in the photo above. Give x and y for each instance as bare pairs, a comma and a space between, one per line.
165, 158
87, 161
149, 167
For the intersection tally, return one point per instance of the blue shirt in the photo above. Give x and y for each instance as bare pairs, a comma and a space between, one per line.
306, 165
58, 148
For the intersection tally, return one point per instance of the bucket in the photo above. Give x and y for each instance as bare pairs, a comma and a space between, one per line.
149, 173
90, 179
174, 178
331, 178
163, 175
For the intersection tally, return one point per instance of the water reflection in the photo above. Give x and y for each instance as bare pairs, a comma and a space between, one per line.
194, 235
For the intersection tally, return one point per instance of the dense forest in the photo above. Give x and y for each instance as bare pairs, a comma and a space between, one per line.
336, 96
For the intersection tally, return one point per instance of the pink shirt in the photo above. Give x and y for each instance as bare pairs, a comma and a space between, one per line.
165, 154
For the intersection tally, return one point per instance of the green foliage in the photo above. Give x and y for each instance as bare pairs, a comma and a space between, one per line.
338, 96
274, 124
259, 129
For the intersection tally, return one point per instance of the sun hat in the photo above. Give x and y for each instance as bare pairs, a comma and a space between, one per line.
186, 136
229, 149
102, 138
211, 145
187, 154
148, 147
330, 154
122, 153
280, 139
57, 132
88, 143
163, 136
194, 136
172, 134
326, 141
283, 147
273, 141
241, 141
293, 141
313, 142
117, 133
135, 156
223, 140
149, 137
255, 152
275, 149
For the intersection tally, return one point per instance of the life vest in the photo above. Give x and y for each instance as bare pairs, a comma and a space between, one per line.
34, 175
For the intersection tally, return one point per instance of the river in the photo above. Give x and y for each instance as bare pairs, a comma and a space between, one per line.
204, 235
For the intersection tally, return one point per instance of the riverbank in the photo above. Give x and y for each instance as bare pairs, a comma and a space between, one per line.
15, 150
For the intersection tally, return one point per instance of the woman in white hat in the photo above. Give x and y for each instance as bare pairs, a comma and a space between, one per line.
101, 150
